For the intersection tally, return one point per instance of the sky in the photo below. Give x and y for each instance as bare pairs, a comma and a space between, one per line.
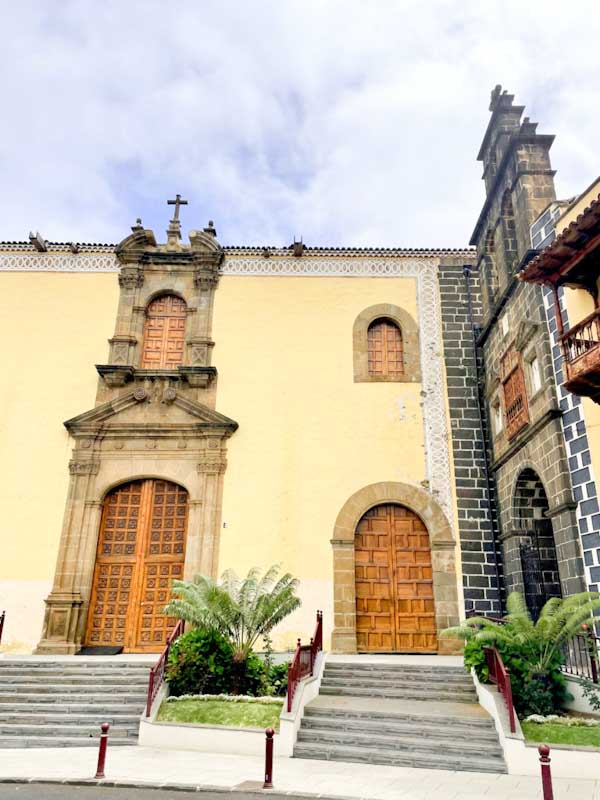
344, 122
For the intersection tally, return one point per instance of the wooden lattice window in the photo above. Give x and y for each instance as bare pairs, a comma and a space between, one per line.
164, 333
386, 356
515, 395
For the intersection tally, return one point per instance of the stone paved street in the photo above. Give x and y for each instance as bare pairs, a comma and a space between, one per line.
291, 776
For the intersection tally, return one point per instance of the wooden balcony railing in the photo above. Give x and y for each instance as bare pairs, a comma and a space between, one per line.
581, 351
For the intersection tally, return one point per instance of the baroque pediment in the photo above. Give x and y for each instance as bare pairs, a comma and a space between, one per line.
143, 410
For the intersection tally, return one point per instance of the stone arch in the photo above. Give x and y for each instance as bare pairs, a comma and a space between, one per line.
530, 546
443, 545
410, 341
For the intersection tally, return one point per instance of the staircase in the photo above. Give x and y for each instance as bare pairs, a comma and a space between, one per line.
409, 715
63, 703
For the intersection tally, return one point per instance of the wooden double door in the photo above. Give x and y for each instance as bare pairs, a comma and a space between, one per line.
395, 609
141, 549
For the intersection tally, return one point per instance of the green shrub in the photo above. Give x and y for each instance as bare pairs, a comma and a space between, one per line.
531, 651
277, 679
200, 663
252, 676
203, 662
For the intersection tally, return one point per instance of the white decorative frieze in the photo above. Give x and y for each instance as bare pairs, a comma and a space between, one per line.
424, 269
58, 262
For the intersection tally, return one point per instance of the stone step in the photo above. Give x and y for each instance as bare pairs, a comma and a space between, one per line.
438, 729
60, 679
405, 693
77, 696
397, 677
6, 665
404, 743
446, 717
59, 741
87, 730
420, 669
94, 718
417, 760
413, 683
70, 688
90, 674
56, 706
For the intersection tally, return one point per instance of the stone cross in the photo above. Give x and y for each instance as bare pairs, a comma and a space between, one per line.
177, 203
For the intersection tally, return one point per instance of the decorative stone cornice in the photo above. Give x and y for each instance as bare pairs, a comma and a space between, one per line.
212, 463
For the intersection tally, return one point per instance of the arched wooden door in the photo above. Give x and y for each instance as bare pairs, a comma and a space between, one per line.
141, 549
394, 583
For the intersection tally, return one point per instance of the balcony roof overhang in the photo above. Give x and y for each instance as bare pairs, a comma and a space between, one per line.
573, 258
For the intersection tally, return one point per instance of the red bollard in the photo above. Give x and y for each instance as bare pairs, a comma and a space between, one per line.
102, 750
268, 784
544, 752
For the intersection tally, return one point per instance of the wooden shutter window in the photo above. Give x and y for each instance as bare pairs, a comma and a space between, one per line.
164, 333
386, 356
515, 395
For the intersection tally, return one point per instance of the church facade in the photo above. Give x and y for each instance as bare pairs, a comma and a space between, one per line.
331, 410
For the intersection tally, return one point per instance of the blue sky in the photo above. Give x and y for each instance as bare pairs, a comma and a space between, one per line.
342, 121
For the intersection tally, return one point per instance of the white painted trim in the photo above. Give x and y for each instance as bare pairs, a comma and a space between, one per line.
578, 703
204, 738
522, 758
289, 724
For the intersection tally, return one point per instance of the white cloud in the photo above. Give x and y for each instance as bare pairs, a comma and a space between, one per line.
342, 121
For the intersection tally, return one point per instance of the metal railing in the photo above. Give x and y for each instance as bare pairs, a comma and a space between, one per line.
157, 673
304, 659
2, 618
499, 675
581, 655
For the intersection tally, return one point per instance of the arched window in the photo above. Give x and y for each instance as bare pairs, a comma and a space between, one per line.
386, 356
164, 333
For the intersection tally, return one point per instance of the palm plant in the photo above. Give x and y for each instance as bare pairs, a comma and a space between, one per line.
540, 642
243, 610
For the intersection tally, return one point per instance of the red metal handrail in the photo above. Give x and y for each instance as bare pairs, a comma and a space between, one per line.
157, 673
303, 663
499, 675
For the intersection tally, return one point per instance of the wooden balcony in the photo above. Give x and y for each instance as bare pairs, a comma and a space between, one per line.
581, 350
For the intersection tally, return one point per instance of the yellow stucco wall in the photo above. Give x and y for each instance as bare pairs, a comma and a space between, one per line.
309, 437
56, 326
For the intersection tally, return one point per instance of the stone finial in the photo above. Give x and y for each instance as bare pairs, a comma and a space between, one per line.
210, 228
297, 248
138, 225
38, 241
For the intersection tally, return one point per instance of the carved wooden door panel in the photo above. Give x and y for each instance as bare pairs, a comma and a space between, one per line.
163, 555
164, 333
141, 548
414, 606
375, 623
385, 349
394, 583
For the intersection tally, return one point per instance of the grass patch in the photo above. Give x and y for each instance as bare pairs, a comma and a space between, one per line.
550, 733
220, 712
